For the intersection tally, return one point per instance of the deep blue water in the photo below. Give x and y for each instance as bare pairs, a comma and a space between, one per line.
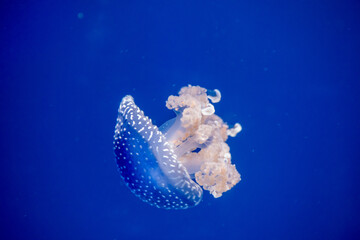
288, 71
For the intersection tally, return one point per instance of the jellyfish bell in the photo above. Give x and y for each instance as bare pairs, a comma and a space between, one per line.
147, 163
166, 166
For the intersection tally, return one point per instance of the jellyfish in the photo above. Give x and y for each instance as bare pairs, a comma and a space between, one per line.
169, 166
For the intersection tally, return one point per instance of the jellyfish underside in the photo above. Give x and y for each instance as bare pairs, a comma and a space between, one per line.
197, 136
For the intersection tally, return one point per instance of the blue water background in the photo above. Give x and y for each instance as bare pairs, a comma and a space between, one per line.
288, 71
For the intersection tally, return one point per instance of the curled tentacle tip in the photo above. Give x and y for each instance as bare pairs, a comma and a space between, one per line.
216, 98
232, 132
208, 110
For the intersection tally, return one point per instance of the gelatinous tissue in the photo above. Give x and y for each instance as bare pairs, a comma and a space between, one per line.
169, 166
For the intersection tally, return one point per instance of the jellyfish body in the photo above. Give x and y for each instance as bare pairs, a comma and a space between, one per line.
156, 164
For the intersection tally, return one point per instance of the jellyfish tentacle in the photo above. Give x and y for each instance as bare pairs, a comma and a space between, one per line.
198, 126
